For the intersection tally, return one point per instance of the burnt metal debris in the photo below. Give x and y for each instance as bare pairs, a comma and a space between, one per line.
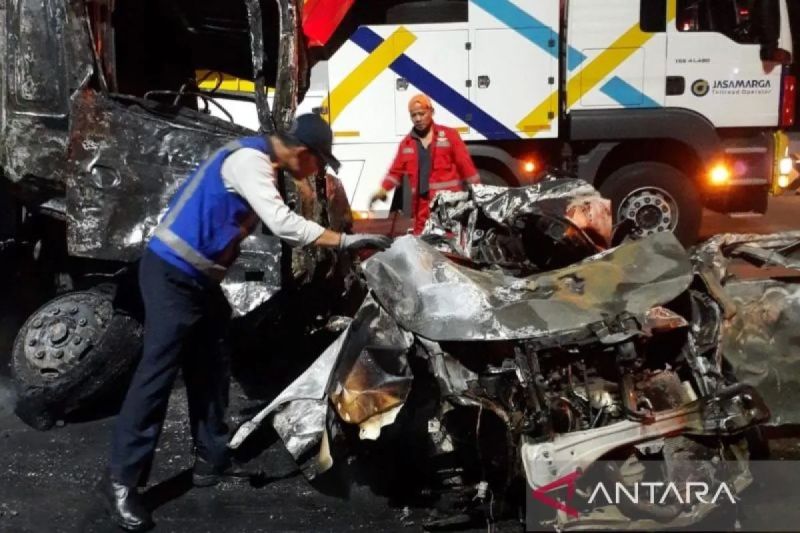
369, 351
518, 370
115, 158
124, 179
549, 224
777, 249
761, 279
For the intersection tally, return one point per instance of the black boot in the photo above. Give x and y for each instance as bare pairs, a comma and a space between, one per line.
205, 474
124, 505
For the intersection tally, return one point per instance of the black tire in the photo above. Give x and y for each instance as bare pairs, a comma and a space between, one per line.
490, 178
635, 189
97, 346
427, 12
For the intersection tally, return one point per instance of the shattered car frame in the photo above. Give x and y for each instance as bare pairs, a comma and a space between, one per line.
493, 376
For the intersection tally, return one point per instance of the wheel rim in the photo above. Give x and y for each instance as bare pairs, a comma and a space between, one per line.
652, 209
57, 336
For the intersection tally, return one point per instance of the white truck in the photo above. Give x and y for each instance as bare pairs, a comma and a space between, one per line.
666, 106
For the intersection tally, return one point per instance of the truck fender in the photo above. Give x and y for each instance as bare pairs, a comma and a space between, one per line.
499, 155
688, 127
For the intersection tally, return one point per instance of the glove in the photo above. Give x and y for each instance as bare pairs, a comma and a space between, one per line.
359, 241
380, 194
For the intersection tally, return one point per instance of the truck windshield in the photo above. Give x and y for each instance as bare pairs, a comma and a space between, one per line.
738, 19
158, 46
155, 48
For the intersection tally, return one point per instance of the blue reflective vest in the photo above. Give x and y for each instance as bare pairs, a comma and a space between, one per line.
204, 223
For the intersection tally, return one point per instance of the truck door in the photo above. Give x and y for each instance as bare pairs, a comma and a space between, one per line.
514, 67
615, 58
439, 62
714, 56
47, 58
36, 55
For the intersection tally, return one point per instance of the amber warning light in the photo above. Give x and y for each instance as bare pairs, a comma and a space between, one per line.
719, 174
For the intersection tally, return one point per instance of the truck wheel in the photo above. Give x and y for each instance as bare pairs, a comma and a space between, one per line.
70, 351
656, 197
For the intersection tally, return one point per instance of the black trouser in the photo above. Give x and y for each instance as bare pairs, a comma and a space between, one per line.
185, 320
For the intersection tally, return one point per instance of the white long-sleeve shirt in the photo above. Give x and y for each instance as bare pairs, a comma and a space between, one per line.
250, 174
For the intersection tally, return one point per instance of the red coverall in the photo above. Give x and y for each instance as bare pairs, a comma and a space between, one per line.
451, 169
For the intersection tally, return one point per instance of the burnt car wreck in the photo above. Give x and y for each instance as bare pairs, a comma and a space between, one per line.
493, 366
521, 338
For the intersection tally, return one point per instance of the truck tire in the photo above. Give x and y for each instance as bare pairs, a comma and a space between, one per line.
71, 351
657, 197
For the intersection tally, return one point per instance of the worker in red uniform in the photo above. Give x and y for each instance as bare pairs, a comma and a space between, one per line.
435, 159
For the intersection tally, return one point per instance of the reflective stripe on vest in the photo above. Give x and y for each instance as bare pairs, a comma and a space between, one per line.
182, 249
445, 184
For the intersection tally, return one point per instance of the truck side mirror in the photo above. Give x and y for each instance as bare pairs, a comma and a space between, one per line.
768, 22
776, 55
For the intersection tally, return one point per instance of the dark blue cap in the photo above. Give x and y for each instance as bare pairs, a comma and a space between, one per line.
311, 131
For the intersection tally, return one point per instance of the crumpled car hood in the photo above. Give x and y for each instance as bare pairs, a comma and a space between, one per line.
437, 299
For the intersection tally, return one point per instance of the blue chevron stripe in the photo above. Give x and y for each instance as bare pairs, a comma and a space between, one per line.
522, 22
435, 88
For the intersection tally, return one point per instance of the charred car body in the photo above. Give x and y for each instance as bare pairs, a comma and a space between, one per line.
495, 365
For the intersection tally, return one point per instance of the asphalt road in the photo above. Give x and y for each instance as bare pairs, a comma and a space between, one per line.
46, 482
783, 214
46, 479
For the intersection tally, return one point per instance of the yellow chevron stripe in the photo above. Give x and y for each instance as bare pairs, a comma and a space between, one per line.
593, 73
228, 83
606, 62
366, 72
539, 118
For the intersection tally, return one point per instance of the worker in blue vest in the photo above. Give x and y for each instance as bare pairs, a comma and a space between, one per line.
185, 310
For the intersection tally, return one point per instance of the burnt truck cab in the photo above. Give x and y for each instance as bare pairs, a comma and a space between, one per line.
97, 115
99, 125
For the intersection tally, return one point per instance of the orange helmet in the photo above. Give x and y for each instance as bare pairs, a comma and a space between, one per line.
420, 99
